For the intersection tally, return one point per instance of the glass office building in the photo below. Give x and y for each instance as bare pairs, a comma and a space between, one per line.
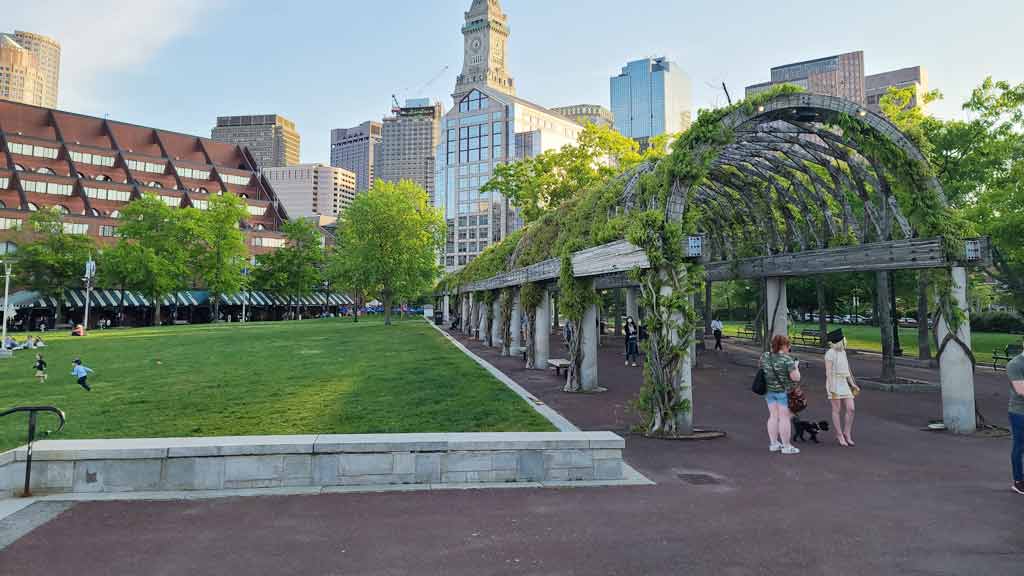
651, 97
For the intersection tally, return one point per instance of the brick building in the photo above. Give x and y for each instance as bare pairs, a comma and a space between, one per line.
92, 167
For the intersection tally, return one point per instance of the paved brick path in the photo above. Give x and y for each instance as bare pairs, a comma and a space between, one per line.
902, 501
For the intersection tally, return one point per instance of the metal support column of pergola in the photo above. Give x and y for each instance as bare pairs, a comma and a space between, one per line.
791, 184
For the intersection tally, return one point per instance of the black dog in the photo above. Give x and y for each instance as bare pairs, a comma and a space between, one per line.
801, 427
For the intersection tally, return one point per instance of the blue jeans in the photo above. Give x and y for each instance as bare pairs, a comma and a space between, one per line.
1017, 455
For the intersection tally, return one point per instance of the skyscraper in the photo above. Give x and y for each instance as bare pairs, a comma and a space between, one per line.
486, 127
271, 138
877, 85
408, 144
841, 75
312, 189
582, 113
29, 68
358, 149
650, 97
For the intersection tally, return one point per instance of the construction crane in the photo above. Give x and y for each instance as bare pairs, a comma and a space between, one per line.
395, 106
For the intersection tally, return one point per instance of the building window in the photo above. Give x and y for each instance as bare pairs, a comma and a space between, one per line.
142, 166
30, 150
172, 201
94, 212
94, 159
45, 170
193, 173
104, 194
200, 204
154, 184
108, 231
257, 210
10, 224
237, 180
75, 228
115, 213
53, 188
4, 182
8, 248
260, 241
32, 207
473, 101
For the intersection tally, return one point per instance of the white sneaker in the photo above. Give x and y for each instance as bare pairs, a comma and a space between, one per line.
775, 447
790, 450
627, 362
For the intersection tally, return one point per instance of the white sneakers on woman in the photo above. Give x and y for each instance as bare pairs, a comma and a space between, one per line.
775, 447
790, 450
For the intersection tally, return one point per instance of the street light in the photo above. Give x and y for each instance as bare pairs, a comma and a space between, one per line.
4, 352
90, 273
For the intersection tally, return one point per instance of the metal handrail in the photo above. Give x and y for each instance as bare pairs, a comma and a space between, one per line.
32, 411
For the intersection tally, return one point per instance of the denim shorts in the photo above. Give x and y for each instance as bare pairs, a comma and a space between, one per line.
777, 398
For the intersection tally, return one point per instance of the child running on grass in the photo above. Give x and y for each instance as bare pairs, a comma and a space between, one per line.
81, 372
40, 367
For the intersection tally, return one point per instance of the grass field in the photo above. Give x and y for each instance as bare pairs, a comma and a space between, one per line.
869, 338
311, 376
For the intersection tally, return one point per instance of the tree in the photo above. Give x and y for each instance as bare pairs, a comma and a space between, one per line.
387, 244
220, 249
116, 267
293, 270
158, 241
51, 259
537, 184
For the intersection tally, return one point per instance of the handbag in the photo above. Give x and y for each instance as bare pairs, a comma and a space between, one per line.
760, 385
796, 399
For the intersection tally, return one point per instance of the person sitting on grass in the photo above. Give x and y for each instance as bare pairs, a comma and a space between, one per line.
82, 373
40, 367
38, 343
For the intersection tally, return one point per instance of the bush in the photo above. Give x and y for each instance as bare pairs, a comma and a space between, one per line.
1011, 322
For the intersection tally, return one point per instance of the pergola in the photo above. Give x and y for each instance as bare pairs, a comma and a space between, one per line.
804, 194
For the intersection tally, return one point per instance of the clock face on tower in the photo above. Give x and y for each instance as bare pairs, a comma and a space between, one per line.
475, 44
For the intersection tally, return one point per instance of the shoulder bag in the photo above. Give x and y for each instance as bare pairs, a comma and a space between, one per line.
760, 385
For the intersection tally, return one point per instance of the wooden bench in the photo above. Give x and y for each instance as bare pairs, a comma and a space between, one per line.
747, 332
558, 364
1001, 357
808, 337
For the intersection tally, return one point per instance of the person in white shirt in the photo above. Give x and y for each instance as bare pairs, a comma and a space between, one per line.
840, 387
716, 329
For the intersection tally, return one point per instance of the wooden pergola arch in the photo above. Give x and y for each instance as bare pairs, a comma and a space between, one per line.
796, 191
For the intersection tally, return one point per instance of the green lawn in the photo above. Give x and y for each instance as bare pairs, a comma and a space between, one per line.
869, 338
312, 376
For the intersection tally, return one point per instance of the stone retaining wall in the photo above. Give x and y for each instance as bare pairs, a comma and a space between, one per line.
235, 462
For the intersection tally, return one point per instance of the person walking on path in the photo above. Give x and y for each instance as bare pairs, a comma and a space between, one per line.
82, 373
782, 374
840, 387
1015, 371
632, 341
40, 367
716, 329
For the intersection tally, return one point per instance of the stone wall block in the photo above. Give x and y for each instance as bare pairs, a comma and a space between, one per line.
428, 468
367, 464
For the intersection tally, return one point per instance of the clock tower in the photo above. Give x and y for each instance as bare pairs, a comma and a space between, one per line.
485, 36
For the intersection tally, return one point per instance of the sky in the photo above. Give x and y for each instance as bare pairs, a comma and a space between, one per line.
178, 64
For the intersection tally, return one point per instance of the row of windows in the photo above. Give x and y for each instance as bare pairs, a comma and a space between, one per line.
105, 194
267, 242
257, 210
237, 180
95, 159
475, 100
30, 150
144, 166
54, 188
193, 173
75, 228
10, 224
201, 204
4, 181
172, 201
108, 231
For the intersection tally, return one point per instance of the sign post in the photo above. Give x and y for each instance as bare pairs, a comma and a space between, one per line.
4, 352
90, 273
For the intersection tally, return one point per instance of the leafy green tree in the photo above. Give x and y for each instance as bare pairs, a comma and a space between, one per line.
387, 244
116, 268
294, 270
545, 181
158, 248
220, 249
52, 260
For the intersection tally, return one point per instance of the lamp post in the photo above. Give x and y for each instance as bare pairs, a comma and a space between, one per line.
4, 352
90, 273
245, 293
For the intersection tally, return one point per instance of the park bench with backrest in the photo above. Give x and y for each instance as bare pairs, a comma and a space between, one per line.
558, 364
747, 332
808, 337
1001, 357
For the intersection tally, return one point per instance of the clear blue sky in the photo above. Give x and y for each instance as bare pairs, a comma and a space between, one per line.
178, 64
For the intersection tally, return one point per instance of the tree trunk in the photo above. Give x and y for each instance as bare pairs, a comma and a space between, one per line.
216, 308
59, 311
924, 341
120, 308
387, 307
156, 311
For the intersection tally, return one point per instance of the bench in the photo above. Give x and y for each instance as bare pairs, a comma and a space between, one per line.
558, 364
747, 332
1005, 355
808, 337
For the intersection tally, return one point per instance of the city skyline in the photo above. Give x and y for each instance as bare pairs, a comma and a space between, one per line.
169, 42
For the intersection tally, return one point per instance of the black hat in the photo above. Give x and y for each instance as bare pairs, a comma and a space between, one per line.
835, 336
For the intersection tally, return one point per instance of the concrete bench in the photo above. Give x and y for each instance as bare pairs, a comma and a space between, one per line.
559, 364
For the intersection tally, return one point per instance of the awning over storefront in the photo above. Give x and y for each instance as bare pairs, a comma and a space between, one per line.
102, 298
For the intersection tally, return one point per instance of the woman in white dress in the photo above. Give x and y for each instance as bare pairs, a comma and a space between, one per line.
840, 387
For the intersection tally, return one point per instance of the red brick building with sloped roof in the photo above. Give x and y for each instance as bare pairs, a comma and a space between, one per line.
92, 167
